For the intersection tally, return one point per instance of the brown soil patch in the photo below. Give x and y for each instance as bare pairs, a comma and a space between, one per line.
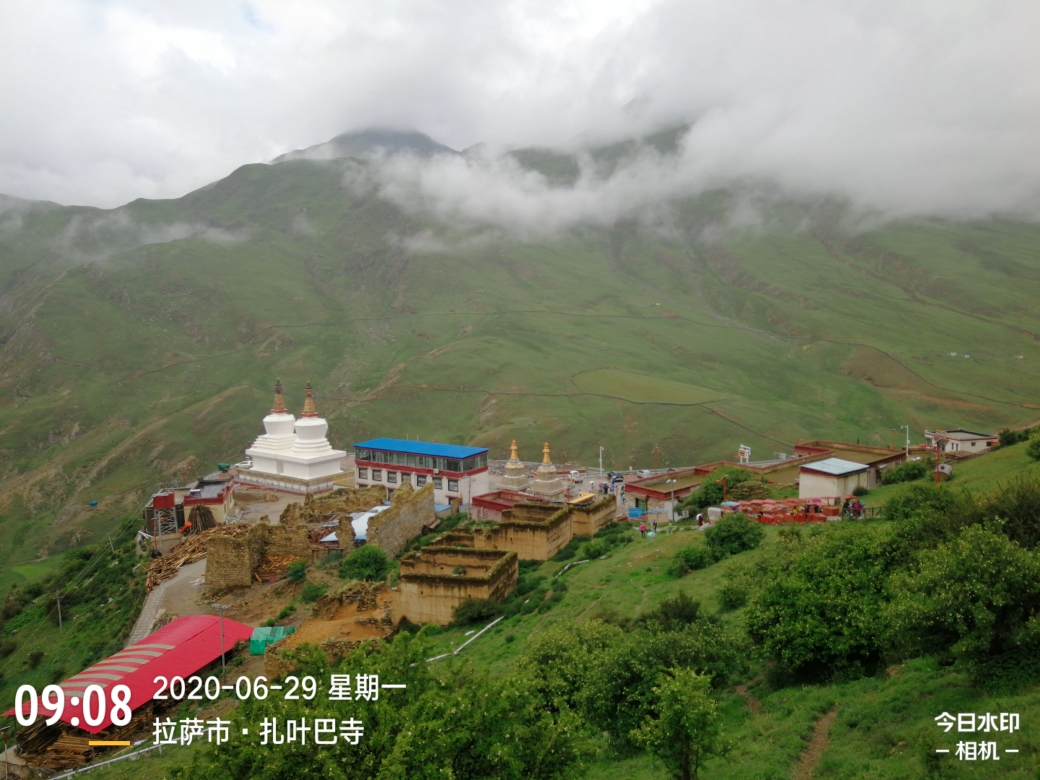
343, 625
753, 704
817, 745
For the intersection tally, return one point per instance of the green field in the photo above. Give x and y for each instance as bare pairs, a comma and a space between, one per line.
641, 389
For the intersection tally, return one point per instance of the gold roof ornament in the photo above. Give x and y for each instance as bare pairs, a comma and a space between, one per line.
512, 451
308, 404
545, 453
279, 402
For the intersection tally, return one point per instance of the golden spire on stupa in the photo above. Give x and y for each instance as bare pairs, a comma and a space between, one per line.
279, 402
545, 453
512, 451
308, 404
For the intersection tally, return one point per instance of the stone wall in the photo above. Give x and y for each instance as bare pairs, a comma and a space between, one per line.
435, 580
289, 537
589, 519
409, 511
348, 500
231, 560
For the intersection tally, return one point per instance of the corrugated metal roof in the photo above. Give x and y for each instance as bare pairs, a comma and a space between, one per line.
836, 467
421, 448
179, 648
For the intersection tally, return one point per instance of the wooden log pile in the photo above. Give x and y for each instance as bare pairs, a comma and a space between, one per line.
274, 566
192, 549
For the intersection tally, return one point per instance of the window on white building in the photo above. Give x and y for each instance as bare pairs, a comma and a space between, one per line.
377, 475
453, 486
391, 477
420, 480
438, 483
406, 478
362, 473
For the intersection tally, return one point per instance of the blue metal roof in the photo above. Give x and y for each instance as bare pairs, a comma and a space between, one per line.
421, 448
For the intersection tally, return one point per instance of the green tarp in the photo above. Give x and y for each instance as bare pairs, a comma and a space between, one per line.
267, 635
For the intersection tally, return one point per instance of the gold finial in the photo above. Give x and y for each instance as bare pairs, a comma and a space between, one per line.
512, 451
545, 454
279, 402
308, 404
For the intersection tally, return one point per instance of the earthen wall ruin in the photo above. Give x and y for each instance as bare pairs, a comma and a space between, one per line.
409, 511
435, 580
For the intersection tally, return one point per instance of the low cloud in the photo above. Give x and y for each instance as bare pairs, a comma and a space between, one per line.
93, 238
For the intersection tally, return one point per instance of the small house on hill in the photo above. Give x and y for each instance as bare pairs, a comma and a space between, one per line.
832, 477
961, 440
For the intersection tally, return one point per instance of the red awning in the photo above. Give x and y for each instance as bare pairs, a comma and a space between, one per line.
178, 649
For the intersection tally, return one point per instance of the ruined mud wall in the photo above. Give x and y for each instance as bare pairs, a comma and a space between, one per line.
289, 537
409, 511
231, 561
587, 520
432, 598
347, 500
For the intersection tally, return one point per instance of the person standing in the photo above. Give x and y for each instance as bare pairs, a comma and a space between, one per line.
642, 530
654, 526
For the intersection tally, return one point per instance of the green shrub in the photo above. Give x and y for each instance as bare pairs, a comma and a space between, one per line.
690, 559
594, 550
312, 592
569, 550
7, 647
820, 607
1033, 450
476, 611
907, 471
1008, 437
732, 534
367, 562
926, 496
710, 492
672, 614
860, 490
732, 597
34, 659
297, 572
509, 638
289, 609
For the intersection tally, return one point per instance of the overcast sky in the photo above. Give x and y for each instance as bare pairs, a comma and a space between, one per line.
923, 107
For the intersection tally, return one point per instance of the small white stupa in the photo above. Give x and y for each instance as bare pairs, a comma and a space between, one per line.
516, 477
546, 483
294, 455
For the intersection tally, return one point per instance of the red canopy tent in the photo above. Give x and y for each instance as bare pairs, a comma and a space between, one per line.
178, 649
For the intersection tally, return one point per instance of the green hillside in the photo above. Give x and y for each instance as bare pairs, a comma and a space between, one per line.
140, 344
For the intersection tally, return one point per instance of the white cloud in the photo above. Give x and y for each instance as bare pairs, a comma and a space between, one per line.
906, 107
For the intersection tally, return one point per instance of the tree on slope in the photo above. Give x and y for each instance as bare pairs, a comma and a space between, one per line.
685, 733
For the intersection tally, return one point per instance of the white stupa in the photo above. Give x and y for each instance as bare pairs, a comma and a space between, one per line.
294, 455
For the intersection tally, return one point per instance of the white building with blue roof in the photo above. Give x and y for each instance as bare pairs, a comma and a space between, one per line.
457, 472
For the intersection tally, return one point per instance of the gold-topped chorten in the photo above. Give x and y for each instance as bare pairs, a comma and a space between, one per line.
516, 477
546, 483
308, 405
512, 451
545, 453
279, 402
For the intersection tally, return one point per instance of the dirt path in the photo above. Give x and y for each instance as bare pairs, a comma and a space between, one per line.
817, 745
753, 704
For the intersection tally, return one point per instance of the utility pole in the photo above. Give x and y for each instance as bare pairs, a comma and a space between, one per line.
601, 461
57, 595
220, 611
657, 450
907, 438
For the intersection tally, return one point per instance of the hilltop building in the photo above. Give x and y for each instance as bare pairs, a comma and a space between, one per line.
293, 455
458, 473
833, 478
961, 440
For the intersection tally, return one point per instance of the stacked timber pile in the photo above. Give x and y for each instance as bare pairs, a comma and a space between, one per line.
62, 746
192, 549
274, 567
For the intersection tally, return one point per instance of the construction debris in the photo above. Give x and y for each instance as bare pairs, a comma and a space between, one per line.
192, 549
274, 567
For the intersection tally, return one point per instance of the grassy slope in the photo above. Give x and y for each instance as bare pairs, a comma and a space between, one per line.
122, 368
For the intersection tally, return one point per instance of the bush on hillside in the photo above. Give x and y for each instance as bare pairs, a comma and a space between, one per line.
672, 614
1008, 437
312, 592
731, 597
1014, 509
747, 491
365, 563
569, 550
908, 471
923, 497
297, 572
710, 492
819, 609
733, 534
690, 559
1033, 450
860, 490
476, 611
975, 598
